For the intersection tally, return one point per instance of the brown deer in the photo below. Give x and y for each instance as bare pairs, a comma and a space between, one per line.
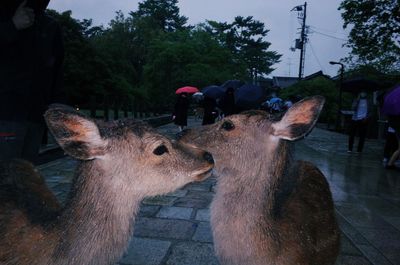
268, 209
122, 162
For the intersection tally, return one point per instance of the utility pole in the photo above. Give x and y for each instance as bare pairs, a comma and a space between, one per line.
301, 43
290, 65
340, 93
303, 38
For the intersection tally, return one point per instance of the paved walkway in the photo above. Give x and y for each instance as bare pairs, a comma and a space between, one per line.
175, 229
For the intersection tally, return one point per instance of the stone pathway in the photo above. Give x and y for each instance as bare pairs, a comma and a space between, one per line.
174, 229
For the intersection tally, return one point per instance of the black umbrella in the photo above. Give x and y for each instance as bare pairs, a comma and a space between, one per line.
358, 84
249, 96
213, 91
235, 84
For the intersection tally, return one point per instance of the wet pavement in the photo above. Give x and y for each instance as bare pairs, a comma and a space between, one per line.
174, 229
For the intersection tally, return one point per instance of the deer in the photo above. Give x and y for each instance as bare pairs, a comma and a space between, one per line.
268, 208
121, 162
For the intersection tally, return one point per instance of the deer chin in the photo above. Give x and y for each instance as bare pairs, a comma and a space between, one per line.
202, 174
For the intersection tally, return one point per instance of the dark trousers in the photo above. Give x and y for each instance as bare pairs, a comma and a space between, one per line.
391, 145
20, 140
359, 127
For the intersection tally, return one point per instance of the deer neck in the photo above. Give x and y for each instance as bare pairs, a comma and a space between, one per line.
256, 187
98, 218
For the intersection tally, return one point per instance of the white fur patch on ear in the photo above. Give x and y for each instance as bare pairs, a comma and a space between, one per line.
84, 131
299, 120
77, 134
279, 129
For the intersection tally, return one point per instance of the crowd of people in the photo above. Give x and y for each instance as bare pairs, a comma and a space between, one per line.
214, 109
211, 108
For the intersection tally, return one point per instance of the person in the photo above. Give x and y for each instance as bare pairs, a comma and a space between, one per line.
228, 102
210, 111
391, 145
359, 121
181, 110
287, 104
31, 52
275, 104
394, 122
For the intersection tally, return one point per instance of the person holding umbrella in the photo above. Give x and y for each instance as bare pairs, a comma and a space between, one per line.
210, 111
180, 110
359, 121
182, 105
391, 108
228, 102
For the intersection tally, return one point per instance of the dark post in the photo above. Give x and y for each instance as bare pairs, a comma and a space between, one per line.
93, 106
303, 42
116, 109
106, 108
125, 108
134, 108
340, 93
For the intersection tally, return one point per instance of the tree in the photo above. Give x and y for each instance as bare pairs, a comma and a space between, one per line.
151, 52
83, 68
375, 34
245, 37
188, 57
117, 48
317, 86
163, 14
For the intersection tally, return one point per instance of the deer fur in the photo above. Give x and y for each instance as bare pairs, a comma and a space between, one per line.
121, 163
268, 209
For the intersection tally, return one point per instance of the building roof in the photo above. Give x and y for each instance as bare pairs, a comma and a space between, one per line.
283, 81
316, 74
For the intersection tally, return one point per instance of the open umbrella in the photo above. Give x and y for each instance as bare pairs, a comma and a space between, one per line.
187, 89
391, 104
249, 96
198, 96
213, 91
358, 84
235, 84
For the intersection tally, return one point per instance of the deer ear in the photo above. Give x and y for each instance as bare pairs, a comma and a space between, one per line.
77, 134
299, 119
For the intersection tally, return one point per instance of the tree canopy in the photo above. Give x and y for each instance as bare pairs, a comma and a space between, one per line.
375, 32
245, 38
152, 51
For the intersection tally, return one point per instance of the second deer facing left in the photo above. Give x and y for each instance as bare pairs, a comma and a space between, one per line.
122, 162
268, 208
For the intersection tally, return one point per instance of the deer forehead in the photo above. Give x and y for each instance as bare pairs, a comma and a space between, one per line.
246, 124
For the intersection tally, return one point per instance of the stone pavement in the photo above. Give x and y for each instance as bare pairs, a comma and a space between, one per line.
174, 229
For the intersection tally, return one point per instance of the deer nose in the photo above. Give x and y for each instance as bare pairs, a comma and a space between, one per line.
208, 157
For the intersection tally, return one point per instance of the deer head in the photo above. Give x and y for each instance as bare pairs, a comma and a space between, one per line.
128, 152
238, 140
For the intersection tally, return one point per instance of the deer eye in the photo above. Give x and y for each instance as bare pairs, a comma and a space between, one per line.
160, 150
228, 126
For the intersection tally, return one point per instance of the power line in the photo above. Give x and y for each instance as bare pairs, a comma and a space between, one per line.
328, 30
327, 35
316, 57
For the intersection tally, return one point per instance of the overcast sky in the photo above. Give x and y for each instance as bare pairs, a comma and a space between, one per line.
326, 35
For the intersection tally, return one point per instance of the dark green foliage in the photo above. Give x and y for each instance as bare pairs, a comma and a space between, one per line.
83, 69
317, 86
145, 56
375, 32
186, 58
163, 15
245, 38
